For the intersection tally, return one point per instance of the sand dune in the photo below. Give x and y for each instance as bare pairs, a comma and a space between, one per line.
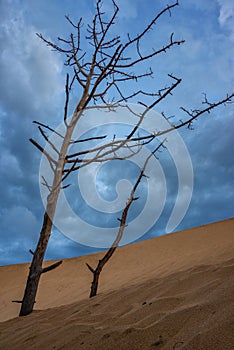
171, 292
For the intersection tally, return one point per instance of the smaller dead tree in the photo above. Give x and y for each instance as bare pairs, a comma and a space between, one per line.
102, 262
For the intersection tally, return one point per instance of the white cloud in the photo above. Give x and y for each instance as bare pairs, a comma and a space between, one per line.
226, 16
226, 11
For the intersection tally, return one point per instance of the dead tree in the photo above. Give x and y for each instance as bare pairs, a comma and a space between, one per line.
102, 262
100, 74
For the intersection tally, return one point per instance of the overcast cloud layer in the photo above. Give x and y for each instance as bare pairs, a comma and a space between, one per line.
32, 86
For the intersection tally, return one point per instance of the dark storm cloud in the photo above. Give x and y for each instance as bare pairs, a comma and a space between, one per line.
30, 83
31, 87
212, 150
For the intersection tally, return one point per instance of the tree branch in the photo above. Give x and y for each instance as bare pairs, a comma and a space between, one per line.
42, 150
101, 263
51, 267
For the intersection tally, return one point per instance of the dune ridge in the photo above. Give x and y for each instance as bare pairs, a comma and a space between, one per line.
170, 292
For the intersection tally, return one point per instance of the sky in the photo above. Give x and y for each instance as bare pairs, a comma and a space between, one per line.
32, 88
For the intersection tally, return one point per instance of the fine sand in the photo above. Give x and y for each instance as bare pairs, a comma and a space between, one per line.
170, 292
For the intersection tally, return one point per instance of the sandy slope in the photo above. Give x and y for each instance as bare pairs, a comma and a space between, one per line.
171, 292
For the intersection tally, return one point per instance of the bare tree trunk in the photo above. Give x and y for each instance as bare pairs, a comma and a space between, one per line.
101, 263
98, 270
36, 268
94, 285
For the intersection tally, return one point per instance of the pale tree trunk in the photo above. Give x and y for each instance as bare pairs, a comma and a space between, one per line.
36, 269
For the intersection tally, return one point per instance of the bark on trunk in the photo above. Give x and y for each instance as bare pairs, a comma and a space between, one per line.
101, 263
94, 285
36, 268
96, 272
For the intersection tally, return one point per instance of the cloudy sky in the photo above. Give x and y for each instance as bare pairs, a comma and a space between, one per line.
32, 87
